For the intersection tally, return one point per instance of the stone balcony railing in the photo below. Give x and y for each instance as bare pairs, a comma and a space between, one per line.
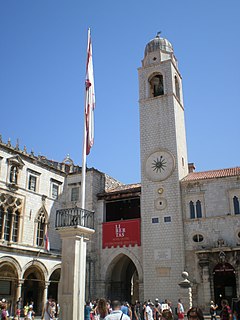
74, 217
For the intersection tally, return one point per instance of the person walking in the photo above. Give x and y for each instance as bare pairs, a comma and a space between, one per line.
116, 313
195, 313
180, 310
149, 311
226, 313
213, 312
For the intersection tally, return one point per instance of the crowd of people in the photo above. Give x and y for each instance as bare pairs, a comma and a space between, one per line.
50, 311
103, 309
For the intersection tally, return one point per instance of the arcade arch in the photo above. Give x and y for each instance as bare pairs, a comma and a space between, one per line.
123, 277
53, 283
9, 275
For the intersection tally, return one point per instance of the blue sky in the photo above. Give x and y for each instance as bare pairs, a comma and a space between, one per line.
43, 56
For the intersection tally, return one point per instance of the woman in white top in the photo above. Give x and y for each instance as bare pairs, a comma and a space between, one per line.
180, 309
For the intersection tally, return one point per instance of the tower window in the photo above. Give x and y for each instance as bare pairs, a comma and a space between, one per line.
192, 210
195, 209
177, 88
156, 85
167, 219
236, 205
155, 220
199, 209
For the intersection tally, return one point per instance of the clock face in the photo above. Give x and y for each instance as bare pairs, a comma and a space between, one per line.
160, 165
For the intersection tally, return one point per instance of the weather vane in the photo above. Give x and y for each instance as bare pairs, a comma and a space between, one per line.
158, 34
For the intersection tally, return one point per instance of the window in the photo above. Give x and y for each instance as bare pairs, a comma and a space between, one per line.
177, 89
5, 287
195, 209
16, 219
236, 205
156, 85
75, 194
192, 210
123, 209
167, 219
32, 183
1, 221
55, 188
198, 238
155, 220
41, 227
9, 224
199, 209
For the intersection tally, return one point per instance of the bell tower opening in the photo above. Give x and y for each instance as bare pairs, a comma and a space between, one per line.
123, 283
156, 85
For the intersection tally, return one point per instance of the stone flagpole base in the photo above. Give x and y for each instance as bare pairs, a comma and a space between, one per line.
73, 274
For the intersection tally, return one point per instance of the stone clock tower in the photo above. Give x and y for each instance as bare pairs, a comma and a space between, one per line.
163, 164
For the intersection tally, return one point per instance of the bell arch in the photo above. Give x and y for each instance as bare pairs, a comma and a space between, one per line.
156, 85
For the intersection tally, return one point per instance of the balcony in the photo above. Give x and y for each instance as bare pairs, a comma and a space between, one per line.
74, 217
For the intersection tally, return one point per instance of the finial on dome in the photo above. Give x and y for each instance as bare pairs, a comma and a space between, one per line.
158, 34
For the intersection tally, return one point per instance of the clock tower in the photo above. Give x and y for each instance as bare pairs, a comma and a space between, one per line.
163, 164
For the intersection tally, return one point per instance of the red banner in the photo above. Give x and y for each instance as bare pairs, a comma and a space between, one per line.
121, 233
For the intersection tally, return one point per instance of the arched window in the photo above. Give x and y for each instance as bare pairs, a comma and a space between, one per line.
156, 85
177, 88
1, 221
192, 210
199, 209
15, 226
236, 205
8, 224
41, 227
10, 212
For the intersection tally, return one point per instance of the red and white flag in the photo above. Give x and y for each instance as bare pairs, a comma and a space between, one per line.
90, 98
46, 242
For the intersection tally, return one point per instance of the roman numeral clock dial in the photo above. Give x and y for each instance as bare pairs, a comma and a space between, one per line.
160, 165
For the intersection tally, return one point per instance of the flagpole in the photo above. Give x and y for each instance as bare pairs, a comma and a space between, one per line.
83, 182
84, 151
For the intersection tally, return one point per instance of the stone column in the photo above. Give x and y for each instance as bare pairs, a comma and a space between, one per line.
73, 273
45, 292
19, 289
204, 264
141, 290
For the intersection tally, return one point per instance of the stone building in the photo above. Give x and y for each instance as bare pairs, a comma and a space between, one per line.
146, 234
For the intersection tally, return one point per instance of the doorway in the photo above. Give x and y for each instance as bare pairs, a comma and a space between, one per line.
224, 282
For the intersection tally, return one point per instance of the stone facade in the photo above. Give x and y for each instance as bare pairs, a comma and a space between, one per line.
188, 220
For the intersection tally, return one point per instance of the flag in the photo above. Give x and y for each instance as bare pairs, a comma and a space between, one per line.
90, 97
46, 242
